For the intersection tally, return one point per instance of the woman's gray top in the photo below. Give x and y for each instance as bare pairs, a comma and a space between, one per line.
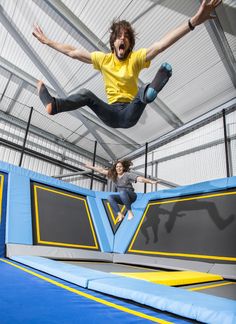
125, 181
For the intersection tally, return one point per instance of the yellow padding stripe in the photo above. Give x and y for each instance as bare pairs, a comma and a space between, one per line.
199, 256
213, 286
114, 219
99, 300
172, 278
37, 219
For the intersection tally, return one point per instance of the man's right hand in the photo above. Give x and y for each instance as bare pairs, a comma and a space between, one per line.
39, 34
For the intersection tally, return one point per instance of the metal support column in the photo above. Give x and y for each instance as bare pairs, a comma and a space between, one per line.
26, 134
226, 141
145, 170
156, 174
94, 158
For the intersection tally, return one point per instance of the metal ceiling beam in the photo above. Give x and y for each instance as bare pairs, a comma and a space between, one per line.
113, 134
35, 58
15, 97
158, 106
229, 106
155, 3
5, 89
14, 70
217, 35
99, 139
90, 40
31, 53
227, 15
81, 137
48, 136
216, 32
164, 111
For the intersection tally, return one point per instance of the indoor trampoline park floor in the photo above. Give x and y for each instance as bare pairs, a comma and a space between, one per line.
32, 296
191, 280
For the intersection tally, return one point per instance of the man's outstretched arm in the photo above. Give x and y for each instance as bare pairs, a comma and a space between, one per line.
203, 14
71, 51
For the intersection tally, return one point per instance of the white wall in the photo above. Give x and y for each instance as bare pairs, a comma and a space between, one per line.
195, 157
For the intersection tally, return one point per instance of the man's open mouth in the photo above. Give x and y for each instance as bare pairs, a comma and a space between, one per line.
122, 51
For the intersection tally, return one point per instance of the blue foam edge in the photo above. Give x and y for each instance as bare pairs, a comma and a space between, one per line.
102, 230
18, 215
71, 273
194, 305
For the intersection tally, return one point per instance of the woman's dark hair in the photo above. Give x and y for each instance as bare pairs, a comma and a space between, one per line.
116, 28
112, 174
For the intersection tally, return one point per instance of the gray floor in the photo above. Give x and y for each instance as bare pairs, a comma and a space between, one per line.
226, 288
111, 267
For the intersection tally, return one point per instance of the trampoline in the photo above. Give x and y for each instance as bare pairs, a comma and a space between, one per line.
63, 254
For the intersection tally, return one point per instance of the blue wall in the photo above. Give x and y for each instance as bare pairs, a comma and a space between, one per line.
16, 203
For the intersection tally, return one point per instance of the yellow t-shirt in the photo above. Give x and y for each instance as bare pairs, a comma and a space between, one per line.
120, 77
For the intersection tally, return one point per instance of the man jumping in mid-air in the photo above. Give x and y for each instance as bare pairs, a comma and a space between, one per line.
120, 70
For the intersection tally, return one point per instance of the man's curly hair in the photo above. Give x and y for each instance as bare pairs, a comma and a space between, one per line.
116, 27
112, 174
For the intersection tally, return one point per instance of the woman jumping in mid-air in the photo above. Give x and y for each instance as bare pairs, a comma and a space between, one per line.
121, 176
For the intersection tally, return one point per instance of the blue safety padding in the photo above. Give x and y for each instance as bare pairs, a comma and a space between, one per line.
197, 188
19, 223
3, 209
61, 185
43, 179
128, 227
19, 227
19, 216
100, 196
231, 182
104, 237
194, 305
71, 273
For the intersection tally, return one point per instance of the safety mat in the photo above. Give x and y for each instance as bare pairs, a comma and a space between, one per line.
172, 278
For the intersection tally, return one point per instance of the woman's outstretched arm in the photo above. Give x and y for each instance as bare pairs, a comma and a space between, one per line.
97, 169
146, 180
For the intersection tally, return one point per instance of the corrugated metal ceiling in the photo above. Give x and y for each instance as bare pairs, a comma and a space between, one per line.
200, 80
